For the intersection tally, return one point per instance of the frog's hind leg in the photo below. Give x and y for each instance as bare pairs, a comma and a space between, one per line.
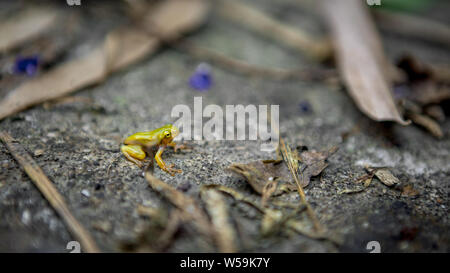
133, 153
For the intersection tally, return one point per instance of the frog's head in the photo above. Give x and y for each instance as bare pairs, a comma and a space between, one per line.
169, 133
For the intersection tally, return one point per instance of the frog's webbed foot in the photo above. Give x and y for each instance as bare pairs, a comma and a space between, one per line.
172, 171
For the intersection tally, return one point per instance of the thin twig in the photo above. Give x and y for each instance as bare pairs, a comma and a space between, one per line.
50, 192
292, 164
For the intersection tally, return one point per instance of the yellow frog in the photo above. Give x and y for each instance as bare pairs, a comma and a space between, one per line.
137, 146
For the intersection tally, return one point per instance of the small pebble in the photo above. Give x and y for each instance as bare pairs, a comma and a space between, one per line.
85, 193
51, 135
38, 152
26, 217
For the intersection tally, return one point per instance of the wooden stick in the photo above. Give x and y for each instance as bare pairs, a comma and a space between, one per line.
50, 192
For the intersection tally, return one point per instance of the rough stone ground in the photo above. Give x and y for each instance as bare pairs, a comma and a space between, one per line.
79, 144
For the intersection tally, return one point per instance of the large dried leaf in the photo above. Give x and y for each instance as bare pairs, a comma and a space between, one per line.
259, 173
362, 63
122, 47
272, 177
26, 25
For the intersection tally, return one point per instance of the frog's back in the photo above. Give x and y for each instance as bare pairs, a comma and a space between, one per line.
145, 138
148, 138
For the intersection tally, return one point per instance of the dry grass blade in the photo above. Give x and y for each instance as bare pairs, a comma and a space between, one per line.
362, 63
128, 46
293, 166
216, 206
189, 207
265, 25
26, 25
50, 192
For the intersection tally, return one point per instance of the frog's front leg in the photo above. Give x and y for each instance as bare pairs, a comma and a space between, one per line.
177, 146
163, 165
134, 153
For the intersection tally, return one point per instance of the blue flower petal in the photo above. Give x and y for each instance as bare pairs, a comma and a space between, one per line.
26, 65
201, 80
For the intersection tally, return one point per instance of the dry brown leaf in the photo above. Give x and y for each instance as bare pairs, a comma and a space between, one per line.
384, 175
408, 190
259, 173
315, 163
366, 179
225, 235
130, 45
26, 25
362, 63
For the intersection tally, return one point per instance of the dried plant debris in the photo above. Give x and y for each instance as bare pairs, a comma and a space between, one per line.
191, 211
366, 181
425, 88
384, 175
122, 47
277, 220
160, 232
363, 65
408, 191
224, 232
426, 122
259, 173
381, 173
272, 177
314, 163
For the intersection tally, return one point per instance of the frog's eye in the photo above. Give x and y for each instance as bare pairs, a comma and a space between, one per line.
167, 134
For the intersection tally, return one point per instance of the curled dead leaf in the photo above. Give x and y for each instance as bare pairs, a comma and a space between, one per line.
384, 175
